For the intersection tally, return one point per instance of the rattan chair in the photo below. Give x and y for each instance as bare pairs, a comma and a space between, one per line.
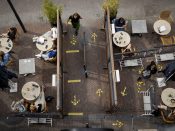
166, 15
166, 40
173, 39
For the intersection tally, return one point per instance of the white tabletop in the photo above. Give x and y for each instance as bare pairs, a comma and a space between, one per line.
167, 56
121, 38
46, 46
167, 95
133, 62
6, 45
27, 66
30, 91
160, 23
139, 26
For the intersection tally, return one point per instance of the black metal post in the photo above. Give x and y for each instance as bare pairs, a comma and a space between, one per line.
17, 16
84, 66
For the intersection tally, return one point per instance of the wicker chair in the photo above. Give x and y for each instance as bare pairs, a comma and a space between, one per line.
173, 39
166, 40
166, 15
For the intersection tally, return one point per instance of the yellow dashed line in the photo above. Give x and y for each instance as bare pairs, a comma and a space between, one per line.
72, 51
75, 114
74, 81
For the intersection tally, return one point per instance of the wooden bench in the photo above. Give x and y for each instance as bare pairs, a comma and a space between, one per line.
40, 121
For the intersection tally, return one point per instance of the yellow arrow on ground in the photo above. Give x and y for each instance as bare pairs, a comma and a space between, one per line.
124, 92
75, 101
99, 92
94, 36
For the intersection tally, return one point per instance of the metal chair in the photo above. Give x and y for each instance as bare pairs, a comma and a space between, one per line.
166, 40
166, 15
146, 102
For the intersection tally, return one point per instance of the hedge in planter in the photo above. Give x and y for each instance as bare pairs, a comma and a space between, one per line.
50, 11
112, 6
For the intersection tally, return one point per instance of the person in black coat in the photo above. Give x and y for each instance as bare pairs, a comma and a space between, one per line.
5, 75
152, 67
11, 34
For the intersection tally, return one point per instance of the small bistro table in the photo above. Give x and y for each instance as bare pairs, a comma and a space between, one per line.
31, 91
6, 45
46, 46
168, 97
121, 38
27, 66
160, 23
139, 27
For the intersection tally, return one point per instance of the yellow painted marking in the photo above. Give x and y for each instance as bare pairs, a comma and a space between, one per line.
140, 70
124, 92
93, 36
99, 92
72, 51
74, 81
140, 83
75, 101
159, 67
118, 124
73, 41
75, 114
139, 89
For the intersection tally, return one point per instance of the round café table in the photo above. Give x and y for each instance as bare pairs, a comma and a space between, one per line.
6, 45
160, 23
46, 46
168, 97
121, 38
31, 91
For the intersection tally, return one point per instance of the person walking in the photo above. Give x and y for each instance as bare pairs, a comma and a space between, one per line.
75, 21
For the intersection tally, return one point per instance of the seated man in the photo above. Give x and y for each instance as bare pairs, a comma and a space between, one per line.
48, 55
5, 59
120, 24
11, 33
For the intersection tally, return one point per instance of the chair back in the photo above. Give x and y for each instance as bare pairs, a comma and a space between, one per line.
166, 40
165, 14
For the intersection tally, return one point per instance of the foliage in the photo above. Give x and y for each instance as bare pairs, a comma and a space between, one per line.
50, 10
112, 5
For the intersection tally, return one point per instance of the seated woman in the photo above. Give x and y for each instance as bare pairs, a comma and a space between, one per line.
152, 67
11, 34
5, 59
120, 24
48, 55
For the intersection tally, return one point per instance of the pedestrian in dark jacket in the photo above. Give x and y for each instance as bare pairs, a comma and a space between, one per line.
75, 21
